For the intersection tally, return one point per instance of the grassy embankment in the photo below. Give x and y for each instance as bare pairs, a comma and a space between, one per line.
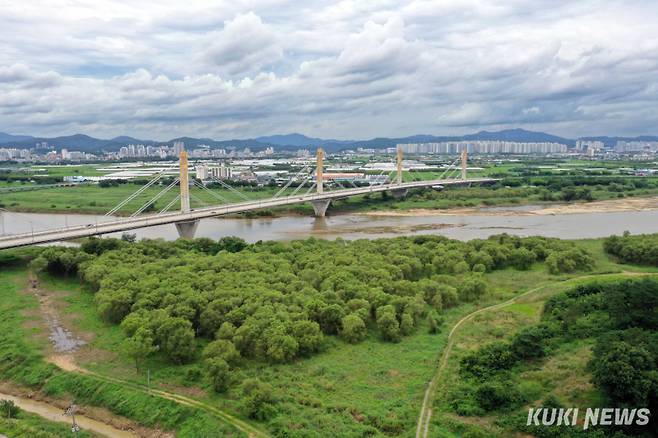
562, 376
344, 389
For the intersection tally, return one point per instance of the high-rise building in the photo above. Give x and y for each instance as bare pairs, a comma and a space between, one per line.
483, 147
179, 147
205, 172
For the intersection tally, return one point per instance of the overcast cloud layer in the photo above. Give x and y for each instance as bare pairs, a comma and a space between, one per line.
348, 69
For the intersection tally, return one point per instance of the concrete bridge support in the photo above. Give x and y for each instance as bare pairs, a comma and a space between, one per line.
320, 207
186, 230
399, 193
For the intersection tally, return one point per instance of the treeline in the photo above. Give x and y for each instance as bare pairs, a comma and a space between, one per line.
547, 189
621, 317
40, 179
641, 249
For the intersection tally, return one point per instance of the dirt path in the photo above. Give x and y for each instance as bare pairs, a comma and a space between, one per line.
422, 427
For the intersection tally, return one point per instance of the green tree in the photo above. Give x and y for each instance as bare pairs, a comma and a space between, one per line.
407, 324
281, 347
222, 349
387, 323
139, 346
493, 395
354, 329
623, 371
258, 399
434, 322
472, 288
330, 319
522, 258
218, 371
176, 338
308, 336
226, 331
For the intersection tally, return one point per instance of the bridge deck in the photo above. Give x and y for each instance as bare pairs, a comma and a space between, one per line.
113, 225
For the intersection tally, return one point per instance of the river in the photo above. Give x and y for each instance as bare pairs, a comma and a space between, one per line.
520, 220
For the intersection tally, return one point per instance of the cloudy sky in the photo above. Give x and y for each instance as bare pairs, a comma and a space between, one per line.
346, 69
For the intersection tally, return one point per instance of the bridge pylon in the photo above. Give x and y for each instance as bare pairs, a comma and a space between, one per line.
186, 229
399, 165
184, 183
320, 205
464, 163
319, 170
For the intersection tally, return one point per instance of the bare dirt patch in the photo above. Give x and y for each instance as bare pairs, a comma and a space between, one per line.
609, 206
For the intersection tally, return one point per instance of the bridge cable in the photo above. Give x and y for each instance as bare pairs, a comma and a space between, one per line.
290, 182
155, 198
301, 184
215, 195
242, 195
136, 193
168, 206
310, 188
203, 203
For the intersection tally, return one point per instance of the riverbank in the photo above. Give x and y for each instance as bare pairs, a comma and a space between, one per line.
608, 206
55, 412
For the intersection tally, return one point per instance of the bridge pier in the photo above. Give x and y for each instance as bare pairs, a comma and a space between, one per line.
186, 230
399, 193
320, 207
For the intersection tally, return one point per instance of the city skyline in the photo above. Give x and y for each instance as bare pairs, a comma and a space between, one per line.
333, 70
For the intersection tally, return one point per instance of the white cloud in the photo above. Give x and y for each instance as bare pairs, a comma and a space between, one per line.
339, 69
244, 46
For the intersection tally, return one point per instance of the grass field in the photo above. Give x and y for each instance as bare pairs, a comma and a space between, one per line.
347, 390
98, 200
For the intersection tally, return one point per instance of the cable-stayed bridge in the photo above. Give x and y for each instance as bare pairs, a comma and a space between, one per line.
187, 219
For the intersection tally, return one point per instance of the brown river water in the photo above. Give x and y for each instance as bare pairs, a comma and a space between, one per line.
521, 220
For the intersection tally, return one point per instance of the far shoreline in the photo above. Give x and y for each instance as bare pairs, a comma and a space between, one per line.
605, 206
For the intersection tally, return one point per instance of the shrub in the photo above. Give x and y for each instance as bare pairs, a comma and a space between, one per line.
354, 329
495, 395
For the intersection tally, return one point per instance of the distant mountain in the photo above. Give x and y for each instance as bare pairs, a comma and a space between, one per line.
130, 140
298, 140
5, 138
81, 142
519, 135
